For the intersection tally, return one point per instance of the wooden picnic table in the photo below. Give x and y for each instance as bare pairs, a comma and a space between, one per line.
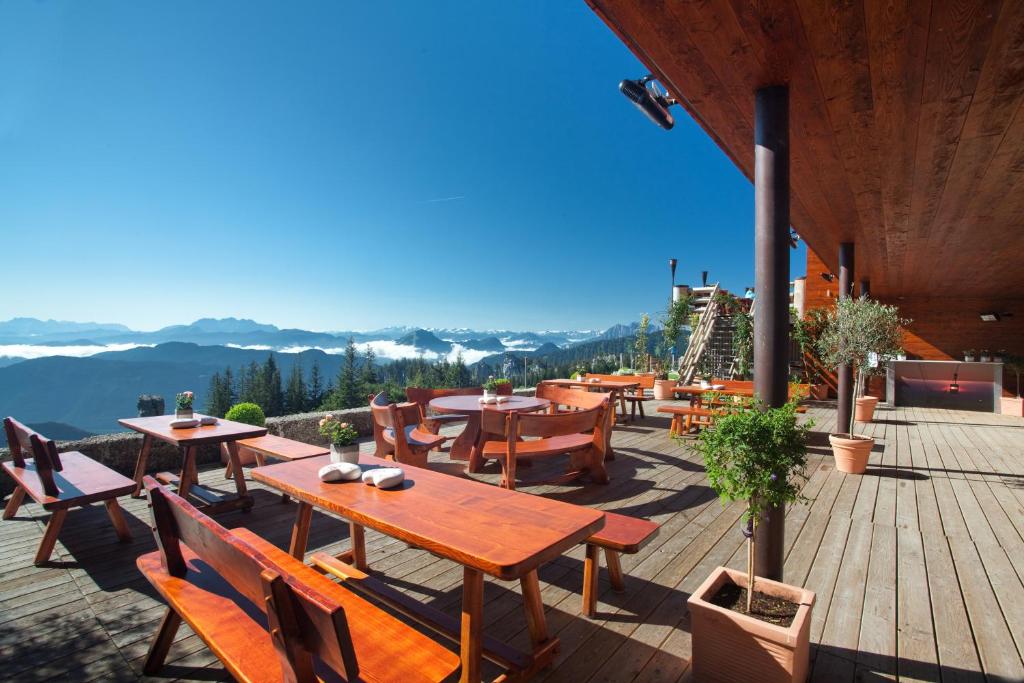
697, 392
224, 432
486, 529
470, 443
617, 389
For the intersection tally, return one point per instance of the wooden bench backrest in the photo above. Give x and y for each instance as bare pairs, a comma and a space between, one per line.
305, 622
646, 381
22, 440
571, 397
544, 425
421, 396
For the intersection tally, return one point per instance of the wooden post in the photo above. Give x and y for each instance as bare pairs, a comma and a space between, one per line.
771, 273
844, 373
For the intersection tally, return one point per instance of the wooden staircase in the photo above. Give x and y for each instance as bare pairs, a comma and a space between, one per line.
707, 308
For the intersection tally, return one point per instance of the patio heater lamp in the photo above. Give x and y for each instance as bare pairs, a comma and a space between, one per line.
954, 387
654, 104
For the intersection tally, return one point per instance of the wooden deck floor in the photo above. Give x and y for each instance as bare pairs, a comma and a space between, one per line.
917, 565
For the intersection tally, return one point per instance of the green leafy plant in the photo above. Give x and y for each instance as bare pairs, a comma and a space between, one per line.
856, 330
641, 343
338, 432
743, 343
758, 455
493, 383
580, 372
247, 413
676, 316
805, 332
183, 401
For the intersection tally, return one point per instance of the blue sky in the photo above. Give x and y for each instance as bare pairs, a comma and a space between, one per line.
346, 166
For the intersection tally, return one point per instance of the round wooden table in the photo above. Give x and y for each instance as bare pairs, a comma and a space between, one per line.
470, 443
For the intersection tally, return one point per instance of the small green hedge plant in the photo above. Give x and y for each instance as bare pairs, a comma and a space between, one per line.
247, 413
758, 455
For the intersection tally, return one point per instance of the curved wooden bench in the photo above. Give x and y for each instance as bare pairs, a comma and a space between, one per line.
267, 616
59, 482
621, 534
259, 448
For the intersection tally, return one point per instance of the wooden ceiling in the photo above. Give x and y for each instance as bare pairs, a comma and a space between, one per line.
906, 122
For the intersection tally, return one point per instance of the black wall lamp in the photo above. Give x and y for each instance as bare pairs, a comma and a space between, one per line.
648, 98
828, 277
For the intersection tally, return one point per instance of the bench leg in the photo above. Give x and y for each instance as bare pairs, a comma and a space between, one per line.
641, 409
590, 567
229, 468
162, 641
140, 465
614, 570
50, 536
117, 518
14, 503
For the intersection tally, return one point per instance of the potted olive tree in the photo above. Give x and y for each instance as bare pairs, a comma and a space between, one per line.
672, 324
1008, 404
857, 330
746, 628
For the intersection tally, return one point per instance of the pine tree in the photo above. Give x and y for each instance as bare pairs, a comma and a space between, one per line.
295, 394
228, 387
368, 377
271, 380
346, 393
215, 404
460, 373
315, 395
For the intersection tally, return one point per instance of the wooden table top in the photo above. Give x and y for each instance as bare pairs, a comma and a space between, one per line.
502, 533
471, 404
599, 384
159, 427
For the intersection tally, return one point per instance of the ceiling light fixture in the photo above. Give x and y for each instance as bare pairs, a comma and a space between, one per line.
648, 98
828, 277
990, 317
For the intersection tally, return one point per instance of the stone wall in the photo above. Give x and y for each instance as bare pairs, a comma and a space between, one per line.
120, 451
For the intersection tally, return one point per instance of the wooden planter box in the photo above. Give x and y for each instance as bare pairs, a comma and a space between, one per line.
733, 647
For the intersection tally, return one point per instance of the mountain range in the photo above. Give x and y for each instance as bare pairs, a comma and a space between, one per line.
80, 377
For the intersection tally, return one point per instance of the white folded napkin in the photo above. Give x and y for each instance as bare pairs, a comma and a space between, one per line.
339, 471
504, 399
718, 387
384, 477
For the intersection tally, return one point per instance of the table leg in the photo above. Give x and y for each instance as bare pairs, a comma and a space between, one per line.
140, 465
357, 534
236, 467
462, 447
536, 624
471, 639
188, 457
300, 531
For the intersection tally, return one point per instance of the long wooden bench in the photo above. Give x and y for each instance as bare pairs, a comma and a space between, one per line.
59, 482
635, 398
267, 616
259, 448
685, 417
621, 534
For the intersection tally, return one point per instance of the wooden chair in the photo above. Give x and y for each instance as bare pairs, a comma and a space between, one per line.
400, 432
267, 616
432, 423
580, 434
59, 482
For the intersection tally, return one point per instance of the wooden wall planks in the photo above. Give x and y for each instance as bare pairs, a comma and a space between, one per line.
907, 123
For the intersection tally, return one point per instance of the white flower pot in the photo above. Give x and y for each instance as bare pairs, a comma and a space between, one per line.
183, 414
348, 453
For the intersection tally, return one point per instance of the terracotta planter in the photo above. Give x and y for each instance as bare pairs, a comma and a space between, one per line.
819, 392
851, 454
663, 389
865, 408
1011, 406
729, 646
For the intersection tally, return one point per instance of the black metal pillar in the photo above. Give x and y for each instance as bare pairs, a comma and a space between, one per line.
844, 408
865, 287
771, 273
